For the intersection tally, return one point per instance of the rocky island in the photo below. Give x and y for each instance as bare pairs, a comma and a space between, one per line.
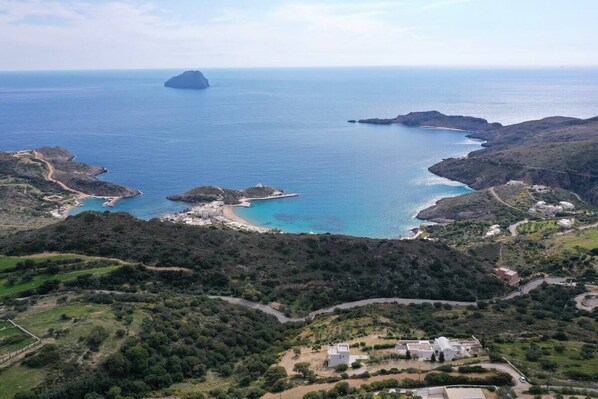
188, 80
214, 205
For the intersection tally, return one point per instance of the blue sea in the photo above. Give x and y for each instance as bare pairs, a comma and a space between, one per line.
281, 127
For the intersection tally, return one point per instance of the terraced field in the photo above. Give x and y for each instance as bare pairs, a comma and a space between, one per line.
23, 276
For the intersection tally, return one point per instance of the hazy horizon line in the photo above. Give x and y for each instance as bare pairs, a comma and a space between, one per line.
406, 66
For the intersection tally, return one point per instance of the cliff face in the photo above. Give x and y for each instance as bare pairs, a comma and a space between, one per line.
556, 151
188, 80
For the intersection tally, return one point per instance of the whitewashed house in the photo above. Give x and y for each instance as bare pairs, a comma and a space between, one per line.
339, 354
566, 223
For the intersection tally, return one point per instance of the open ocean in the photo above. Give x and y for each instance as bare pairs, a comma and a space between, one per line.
281, 127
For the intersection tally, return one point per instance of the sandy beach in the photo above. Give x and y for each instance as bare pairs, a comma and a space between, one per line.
220, 213
228, 211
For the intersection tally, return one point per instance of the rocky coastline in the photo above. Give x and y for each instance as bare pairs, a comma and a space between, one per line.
558, 152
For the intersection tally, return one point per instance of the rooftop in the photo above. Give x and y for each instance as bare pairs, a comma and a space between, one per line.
338, 348
464, 393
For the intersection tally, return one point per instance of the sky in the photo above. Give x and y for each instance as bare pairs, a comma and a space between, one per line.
132, 34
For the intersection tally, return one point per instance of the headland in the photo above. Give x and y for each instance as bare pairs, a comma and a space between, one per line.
214, 205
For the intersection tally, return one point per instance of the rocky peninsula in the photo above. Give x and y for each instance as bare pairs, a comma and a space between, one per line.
215, 205
188, 80
49, 183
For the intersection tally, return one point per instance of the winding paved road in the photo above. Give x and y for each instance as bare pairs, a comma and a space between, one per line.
514, 226
400, 301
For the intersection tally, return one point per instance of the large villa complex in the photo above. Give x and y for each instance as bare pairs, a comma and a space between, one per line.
449, 349
441, 348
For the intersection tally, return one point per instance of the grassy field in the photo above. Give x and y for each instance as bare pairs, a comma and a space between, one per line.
37, 281
19, 378
37, 271
539, 227
203, 385
587, 239
75, 320
12, 338
67, 325
11, 261
555, 359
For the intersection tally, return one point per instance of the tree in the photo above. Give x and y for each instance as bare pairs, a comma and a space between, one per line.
302, 368
356, 365
96, 336
433, 358
296, 351
114, 392
279, 385
274, 374
408, 355
441, 357
342, 388
506, 393
341, 367
534, 353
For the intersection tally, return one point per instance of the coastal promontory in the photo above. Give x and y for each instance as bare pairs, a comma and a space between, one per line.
204, 194
194, 80
555, 151
41, 185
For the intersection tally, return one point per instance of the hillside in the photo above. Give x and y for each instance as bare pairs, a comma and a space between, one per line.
81, 176
556, 151
37, 185
502, 204
307, 271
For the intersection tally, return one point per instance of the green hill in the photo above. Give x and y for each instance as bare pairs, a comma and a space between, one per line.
305, 271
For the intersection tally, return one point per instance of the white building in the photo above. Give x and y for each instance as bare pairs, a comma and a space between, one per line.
448, 393
566, 223
463, 393
341, 354
450, 348
417, 349
493, 231
442, 345
568, 206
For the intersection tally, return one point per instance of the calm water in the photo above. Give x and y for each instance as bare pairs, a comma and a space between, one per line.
283, 127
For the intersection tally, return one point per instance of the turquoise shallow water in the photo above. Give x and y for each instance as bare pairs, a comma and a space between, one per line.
283, 127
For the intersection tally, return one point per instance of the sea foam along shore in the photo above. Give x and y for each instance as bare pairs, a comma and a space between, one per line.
416, 231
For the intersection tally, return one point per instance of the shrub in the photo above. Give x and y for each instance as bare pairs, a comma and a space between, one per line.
341, 367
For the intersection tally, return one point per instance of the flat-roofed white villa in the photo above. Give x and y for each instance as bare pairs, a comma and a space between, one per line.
341, 354
450, 348
444, 393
